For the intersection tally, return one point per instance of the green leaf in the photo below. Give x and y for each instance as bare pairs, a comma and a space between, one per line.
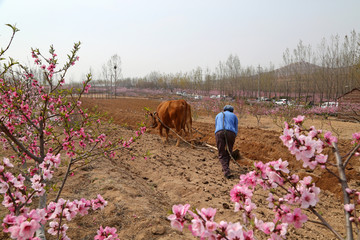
14, 28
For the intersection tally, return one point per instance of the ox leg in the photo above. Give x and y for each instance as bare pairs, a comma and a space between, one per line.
189, 130
160, 130
190, 133
167, 135
161, 133
178, 142
184, 129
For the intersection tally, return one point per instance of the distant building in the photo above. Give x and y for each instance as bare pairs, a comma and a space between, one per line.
349, 105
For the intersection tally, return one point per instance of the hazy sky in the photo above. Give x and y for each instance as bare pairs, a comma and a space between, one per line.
171, 36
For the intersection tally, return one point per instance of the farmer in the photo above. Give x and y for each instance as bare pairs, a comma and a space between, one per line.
226, 128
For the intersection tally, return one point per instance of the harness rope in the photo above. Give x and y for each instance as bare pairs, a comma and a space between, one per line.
198, 131
155, 114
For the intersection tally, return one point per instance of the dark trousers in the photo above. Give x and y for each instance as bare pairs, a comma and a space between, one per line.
224, 156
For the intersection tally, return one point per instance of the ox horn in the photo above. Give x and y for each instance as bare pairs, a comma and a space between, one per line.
154, 123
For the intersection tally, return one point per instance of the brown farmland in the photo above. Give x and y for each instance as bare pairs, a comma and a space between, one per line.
141, 192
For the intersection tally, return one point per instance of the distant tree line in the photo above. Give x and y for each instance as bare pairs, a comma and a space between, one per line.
308, 74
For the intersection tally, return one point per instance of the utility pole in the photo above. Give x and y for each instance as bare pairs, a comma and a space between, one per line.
115, 67
258, 90
111, 89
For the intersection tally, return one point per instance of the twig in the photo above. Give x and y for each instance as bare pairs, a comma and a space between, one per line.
68, 171
26, 201
317, 222
19, 144
63, 182
11, 39
344, 186
332, 173
325, 223
60, 220
351, 154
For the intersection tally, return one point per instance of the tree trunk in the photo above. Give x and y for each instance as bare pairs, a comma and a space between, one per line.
40, 233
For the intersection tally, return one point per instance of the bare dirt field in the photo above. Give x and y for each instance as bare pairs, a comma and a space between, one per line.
141, 192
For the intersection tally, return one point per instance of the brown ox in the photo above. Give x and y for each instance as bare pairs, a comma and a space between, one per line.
173, 114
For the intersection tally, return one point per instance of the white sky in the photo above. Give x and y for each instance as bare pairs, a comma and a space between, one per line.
171, 36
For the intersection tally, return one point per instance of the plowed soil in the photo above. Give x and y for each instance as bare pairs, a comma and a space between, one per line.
141, 192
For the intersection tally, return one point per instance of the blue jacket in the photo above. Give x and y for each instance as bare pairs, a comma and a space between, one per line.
230, 123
